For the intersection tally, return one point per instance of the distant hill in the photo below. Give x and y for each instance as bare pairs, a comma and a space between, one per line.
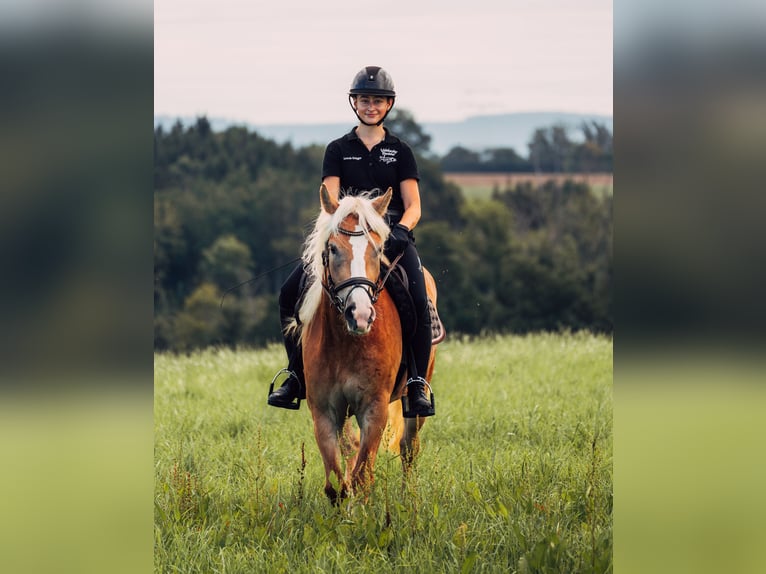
475, 133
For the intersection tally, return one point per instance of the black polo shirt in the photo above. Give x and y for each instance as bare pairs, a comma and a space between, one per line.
389, 163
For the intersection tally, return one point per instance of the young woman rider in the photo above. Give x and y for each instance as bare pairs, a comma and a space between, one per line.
369, 158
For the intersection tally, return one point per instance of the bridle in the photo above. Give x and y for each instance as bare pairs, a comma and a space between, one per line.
333, 290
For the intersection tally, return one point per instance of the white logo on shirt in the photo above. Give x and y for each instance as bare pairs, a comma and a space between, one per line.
352, 157
388, 155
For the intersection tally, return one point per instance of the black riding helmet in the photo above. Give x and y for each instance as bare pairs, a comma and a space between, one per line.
371, 81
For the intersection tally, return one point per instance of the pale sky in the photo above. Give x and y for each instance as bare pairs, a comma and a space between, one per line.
292, 61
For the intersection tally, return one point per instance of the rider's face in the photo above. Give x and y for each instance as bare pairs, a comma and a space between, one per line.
372, 108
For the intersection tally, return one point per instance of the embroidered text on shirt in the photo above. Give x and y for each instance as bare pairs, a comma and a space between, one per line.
388, 155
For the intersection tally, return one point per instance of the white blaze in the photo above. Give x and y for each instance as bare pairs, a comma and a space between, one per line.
364, 312
358, 247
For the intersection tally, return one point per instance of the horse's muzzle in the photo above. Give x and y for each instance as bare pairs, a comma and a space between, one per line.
359, 317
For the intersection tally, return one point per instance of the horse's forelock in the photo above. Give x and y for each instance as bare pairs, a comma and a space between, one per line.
362, 207
369, 218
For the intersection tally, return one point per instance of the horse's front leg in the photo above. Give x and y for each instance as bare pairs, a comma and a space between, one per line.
372, 422
349, 447
326, 432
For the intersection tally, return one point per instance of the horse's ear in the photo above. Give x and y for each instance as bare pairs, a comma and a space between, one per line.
381, 203
328, 203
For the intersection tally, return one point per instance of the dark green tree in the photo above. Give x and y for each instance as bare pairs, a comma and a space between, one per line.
226, 262
551, 150
403, 125
504, 160
461, 159
595, 153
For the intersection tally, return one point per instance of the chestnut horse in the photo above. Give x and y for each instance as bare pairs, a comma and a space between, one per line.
352, 344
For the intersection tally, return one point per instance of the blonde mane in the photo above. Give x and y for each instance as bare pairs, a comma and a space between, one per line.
326, 225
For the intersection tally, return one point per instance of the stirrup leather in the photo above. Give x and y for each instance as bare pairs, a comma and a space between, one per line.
295, 405
431, 411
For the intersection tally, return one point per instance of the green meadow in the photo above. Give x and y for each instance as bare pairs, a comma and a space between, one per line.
514, 474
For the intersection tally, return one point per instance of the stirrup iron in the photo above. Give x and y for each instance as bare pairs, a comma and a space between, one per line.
431, 411
294, 406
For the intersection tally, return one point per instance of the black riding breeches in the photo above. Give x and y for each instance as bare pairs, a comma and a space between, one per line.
421, 340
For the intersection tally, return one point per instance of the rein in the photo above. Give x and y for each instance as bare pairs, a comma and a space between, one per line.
372, 289
238, 285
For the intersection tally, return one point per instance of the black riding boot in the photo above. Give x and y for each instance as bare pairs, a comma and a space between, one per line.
417, 403
293, 389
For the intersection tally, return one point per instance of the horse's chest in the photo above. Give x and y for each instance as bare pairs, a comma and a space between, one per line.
353, 381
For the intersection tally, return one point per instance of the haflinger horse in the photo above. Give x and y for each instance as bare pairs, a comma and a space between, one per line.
352, 344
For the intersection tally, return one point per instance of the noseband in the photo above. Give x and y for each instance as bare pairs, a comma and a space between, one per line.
333, 291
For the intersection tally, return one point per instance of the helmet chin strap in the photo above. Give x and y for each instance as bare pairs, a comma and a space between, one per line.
351, 103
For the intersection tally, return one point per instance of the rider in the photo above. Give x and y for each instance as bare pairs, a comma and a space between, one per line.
368, 158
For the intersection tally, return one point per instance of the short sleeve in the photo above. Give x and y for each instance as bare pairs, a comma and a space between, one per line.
408, 167
331, 165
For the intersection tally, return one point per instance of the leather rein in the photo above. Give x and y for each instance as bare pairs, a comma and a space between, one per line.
332, 289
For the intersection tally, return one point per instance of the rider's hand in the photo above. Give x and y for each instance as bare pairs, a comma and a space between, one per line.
398, 240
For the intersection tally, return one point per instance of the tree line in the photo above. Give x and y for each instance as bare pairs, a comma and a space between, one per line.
551, 150
233, 208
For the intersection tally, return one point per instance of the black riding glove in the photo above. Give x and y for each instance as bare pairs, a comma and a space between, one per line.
398, 240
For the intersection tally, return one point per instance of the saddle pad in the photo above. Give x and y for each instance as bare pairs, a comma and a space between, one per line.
438, 333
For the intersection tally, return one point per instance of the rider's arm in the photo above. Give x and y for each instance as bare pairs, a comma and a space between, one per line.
411, 199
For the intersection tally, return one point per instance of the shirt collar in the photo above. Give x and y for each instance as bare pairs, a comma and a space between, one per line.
389, 139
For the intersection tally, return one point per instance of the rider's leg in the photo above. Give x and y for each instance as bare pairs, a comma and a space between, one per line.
293, 387
419, 404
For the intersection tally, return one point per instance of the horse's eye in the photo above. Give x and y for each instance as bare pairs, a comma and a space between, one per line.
333, 249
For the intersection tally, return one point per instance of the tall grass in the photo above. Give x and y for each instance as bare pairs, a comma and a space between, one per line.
514, 475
